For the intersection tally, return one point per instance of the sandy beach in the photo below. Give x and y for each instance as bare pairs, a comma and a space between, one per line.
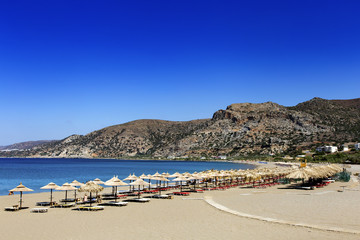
302, 214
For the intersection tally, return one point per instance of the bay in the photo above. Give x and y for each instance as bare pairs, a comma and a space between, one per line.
37, 172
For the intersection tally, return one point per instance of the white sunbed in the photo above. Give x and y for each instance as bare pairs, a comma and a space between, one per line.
39, 210
142, 200
163, 196
115, 204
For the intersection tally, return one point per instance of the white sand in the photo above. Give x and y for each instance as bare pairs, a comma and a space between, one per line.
192, 219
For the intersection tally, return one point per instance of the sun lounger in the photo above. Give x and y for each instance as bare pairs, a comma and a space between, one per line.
134, 194
64, 205
114, 204
68, 200
39, 210
87, 202
181, 193
44, 203
113, 197
13, 208
305, 188
141, 200
162, 196
151, 191
197, 191
88, 208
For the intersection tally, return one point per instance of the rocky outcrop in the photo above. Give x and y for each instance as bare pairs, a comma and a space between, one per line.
240, 129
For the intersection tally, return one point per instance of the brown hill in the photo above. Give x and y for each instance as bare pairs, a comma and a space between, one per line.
240, 129
25, 145
354, 103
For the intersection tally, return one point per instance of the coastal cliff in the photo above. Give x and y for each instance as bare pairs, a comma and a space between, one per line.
240, 129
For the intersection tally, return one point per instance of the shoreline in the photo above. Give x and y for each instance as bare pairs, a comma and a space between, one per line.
160, 165
249, 162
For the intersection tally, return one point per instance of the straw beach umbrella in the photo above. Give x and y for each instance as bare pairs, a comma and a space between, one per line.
115, 182
130, 178
155, 177
76, 184
300, 173
91, 187
180, 179
139, 182
150, 177
174, 175
161, 179
50, 186
98, 181
65, 187
21, 188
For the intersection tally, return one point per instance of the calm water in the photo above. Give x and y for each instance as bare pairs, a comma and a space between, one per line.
35, 173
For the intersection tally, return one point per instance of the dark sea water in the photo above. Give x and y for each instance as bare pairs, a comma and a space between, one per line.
37, 172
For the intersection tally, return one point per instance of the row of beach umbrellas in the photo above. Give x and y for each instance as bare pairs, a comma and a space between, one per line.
322, 171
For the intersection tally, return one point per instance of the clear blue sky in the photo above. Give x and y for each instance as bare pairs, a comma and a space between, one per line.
71, 67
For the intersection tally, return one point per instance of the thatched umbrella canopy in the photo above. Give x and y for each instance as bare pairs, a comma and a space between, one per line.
206, 176
161, 179
174, 175
130, 178
143, 176
50, 186
186, 174
195, 177
166, 175
139, 182
91, 187
318, 172
75, 184
98, 181
300, 173
115, 182
21, 188
332, 169
65, 187
157, 174
180, 179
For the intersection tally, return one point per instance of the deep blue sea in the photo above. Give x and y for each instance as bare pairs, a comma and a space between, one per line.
37, 172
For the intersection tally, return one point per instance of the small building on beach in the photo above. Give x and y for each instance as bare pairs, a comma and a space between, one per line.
357, 146
327, 149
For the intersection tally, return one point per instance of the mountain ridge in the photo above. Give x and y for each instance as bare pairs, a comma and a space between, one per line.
240, 129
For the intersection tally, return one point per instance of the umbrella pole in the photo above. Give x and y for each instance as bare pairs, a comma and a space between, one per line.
20, 200
90, 199
50, 197
149, 184
65, 195
116, 194
180, 186
75, 195
139, 192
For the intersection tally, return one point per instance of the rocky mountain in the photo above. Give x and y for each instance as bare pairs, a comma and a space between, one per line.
240, 129
25, 145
